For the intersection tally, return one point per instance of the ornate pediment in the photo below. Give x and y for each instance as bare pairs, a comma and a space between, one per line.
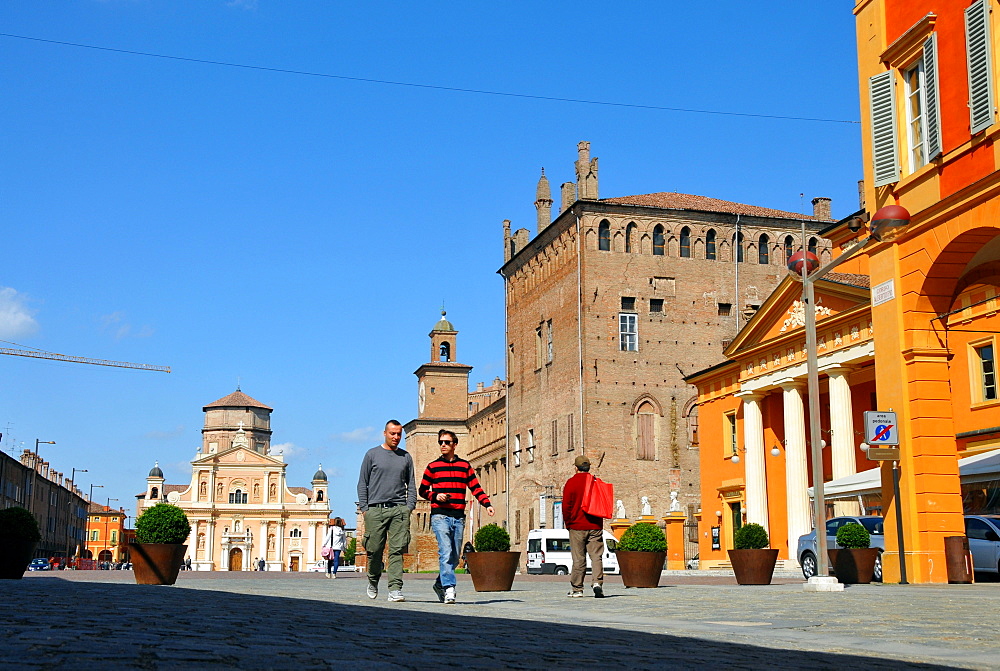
797, 315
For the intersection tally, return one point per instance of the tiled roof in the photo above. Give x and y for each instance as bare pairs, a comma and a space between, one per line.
97, 508
850, 278
686, 201
301, 490
237, 400
166, 489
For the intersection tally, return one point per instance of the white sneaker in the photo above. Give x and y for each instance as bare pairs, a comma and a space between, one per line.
449, 595
372, 590
396, 595
333, 575
575, 595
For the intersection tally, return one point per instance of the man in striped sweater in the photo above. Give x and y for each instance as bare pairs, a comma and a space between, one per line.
444, 483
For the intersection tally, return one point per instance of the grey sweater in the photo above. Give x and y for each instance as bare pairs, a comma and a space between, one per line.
387, 476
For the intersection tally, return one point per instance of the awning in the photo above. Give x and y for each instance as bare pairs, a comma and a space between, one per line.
977, 468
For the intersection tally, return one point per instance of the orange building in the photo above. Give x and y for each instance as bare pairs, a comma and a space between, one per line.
926, 334
105, 534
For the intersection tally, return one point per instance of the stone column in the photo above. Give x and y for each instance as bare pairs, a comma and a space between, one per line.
842, 437
210, 541
796, 467
262, 541
311, 544
755, 474
280, 545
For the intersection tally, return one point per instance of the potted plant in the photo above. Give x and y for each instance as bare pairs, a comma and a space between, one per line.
159, 550
641, 554
18, 537
854, 561
753, 562
492, 565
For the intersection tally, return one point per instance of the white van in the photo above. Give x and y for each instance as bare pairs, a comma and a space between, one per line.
548, 552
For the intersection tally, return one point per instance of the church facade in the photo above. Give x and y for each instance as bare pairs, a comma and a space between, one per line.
238, 501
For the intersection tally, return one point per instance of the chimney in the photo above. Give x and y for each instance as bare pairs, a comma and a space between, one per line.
568, 195
586, 173
543, 202
861, 194
821, 208
479, 386
508, 244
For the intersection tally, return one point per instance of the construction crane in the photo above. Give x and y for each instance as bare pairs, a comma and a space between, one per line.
42, 354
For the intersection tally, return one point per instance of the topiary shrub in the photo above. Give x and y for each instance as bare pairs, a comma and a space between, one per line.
853, 536
492, 538
751, 537
19, 523
642, 537
163, 523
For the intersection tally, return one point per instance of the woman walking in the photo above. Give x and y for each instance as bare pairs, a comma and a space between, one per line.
333, 544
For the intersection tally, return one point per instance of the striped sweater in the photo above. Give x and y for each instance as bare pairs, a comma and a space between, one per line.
451, 477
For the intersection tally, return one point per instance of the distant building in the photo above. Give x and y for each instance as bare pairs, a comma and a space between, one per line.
106, 540
239, 504
57, 504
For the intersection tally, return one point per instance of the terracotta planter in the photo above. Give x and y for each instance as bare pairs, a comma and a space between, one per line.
492, 571
15, 557
641, 569
854, 566
754, 567
156, 563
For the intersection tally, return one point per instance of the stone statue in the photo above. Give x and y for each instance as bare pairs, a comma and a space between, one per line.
256, 490
620, 510
218, 490
646, 509
273, 490
675, 505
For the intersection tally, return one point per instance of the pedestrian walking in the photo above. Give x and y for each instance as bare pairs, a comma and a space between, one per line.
387, 494
261, 564
334, 543
585, 532
443, 484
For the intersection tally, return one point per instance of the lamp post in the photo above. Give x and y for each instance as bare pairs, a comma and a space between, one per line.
90, 499
72, 478
34, 472
107, 518
805, 266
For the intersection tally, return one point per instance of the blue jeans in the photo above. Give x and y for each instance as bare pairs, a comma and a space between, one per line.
332, 564
449, 532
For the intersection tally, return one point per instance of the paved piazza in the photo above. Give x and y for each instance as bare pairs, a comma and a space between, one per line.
102, 620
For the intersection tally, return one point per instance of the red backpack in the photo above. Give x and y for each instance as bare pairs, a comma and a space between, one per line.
598, 498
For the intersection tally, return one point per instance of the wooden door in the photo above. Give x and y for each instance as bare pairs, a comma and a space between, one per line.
236, 559
293, 564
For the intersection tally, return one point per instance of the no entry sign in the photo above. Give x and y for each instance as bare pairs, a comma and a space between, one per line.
881, 428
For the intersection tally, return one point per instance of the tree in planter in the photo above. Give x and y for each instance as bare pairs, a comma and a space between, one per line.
492, 565
856, 562
157, 555
18, 536
351, 552
492, 538
753, 562
641, 553
853, 536
642, 537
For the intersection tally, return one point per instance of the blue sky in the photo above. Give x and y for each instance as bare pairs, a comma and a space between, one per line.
299, 233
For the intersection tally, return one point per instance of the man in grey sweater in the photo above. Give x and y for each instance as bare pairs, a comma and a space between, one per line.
387, 494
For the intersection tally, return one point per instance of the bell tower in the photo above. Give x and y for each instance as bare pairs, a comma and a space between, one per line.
443, 383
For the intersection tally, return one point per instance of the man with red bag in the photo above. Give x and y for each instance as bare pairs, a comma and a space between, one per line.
586, 532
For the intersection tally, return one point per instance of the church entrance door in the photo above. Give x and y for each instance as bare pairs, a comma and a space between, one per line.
236, 559
294, 564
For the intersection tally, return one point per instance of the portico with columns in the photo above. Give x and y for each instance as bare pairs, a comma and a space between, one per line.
755, 456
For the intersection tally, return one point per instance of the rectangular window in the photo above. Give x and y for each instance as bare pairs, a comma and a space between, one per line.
628, 303
93, 535
569, 432
986, 363
881, 93
725, 309
531, 445
114, 536
628, 332
656, 305
730, 433
517, 450
977, 43
538, 348
548, 338
555, 437
645, 443
922, 113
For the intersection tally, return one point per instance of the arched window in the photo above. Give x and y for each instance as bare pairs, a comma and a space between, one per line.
319, 496
685, 243
154, 493
738, 244
658, 241
446, 351
763, 255
645, 439
604, 236
296, 533
710, 245
812, 245
630, 233
238, 496
788, 248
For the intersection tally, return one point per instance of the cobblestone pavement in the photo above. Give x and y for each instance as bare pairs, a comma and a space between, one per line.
101, 619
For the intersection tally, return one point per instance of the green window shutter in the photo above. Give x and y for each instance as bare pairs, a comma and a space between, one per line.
977, 43
933, 114
881, 90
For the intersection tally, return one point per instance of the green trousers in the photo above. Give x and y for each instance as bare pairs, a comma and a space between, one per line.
392, 525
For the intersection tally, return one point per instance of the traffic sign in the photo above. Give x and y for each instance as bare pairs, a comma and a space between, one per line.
883, 453
881, 428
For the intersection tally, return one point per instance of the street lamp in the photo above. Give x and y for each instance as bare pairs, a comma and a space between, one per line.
804, 265
72, 478
34, 471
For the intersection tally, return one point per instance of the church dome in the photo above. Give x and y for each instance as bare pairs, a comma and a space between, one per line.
443, 324
320, 474
155, 471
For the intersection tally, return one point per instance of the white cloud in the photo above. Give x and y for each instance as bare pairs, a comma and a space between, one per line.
16, 320
288, 450
364, 434
116, 324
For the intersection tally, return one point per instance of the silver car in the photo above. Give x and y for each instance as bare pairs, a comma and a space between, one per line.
807, 543
983, 532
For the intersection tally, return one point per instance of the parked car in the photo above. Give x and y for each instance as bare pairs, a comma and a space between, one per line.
983, 532
317, 567
548, 552
807, 543
39, 564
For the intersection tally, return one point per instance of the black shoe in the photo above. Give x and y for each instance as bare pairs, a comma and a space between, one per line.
439, 591
598, 590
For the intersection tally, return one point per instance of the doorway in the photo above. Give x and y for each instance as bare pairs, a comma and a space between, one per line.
236, 559
293, 563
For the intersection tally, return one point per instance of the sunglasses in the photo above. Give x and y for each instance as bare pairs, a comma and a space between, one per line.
446, 442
